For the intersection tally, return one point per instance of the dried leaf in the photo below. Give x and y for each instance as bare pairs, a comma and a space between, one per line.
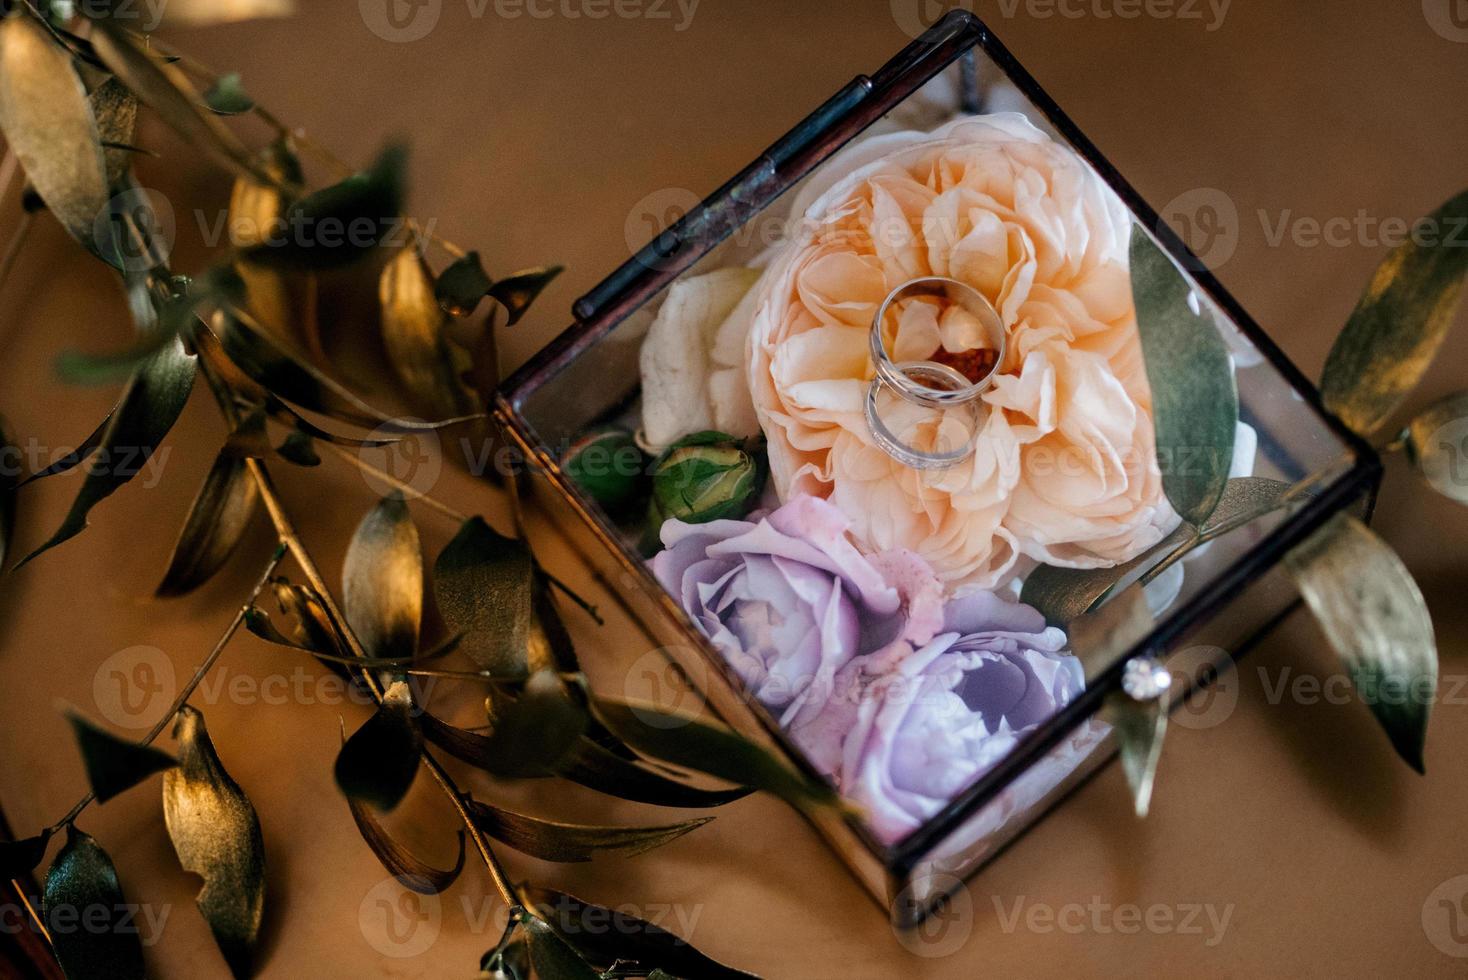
691, 744
596, 767
413, 333
462, 286
114, 765
116, 112
571, 843
529, 737
217, 522
216, 835
517, 292
412, 873
382, 581
552, 958
227, 96
150, 406
1437, 444
164, 88
1373, 614
1398, 327
342, 223
377, 764
83, 882
49, 125
484, 585
605, 936
19, 858
1194, 392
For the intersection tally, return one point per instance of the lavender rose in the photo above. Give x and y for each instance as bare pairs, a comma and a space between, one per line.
789, 601
925, 730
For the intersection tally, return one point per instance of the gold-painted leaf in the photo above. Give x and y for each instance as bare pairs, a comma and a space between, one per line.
216, 523
216, 835
1400, 323
49, 125
377, 764
597, 767
571, 843
1437, 444
382, 581
1195, 396
116, 111
410, 871
551, 956
413, 325
530, 735
462, 285
1373, 614
83, 881
484, 584
1140, 728
1103, 636
114, 765
518, 291
18, 858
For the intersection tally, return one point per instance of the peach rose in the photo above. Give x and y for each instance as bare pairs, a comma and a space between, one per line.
1065, 470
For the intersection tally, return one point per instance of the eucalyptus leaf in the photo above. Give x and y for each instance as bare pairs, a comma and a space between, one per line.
1194, 392
520, 290
382, 581
571, 843
462, 285
19, 858
150, 406
74, 458
49, 125
410, 871
596, 767
1400, 323
227, 96
377, 764
552, 958
82, 886
1373, 614
484, 584
1437, 444
413, 325
115, 765
1140, 728
116, 112
717, 751
217, 522
529, 737
605, 936
342, 223
164, 87
216, 836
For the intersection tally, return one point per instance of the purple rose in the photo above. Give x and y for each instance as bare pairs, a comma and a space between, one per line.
923, 731
788, 600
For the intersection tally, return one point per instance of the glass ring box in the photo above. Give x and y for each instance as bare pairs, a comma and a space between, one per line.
853, 411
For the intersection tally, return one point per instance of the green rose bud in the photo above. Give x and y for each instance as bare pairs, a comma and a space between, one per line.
705, 477
608, 466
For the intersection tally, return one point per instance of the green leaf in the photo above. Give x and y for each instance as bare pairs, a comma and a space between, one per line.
552, 958
82, 887
484, 583
1400, 323
49, 125
115, 765
377, 764
517, 292
382, 581
1066, 594
150, 406
605, 936
216, 836
529, 737
1437, 444
571, 843
462, 286
227, 96
167, 91
413, 332
217, 522
342, 223
20, 857
689, 743
1373, 614
597, 767
410, 871
1194, 392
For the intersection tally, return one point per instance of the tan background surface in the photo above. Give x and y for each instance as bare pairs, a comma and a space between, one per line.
534, 140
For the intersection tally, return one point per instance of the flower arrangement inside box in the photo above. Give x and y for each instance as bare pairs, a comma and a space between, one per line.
928, 446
